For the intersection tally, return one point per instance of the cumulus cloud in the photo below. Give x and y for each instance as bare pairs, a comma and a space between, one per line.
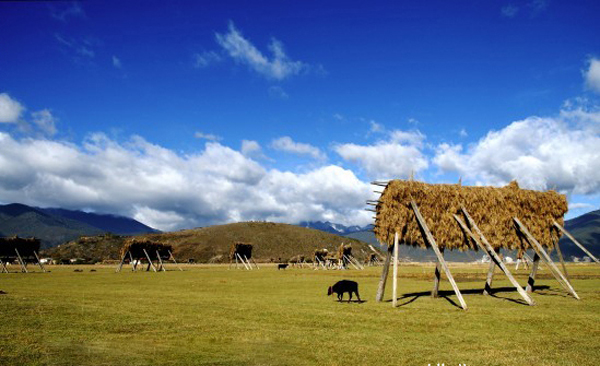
541, 153
397, 157
286, 144
279, 66
170, 191
10, 109
45, 122
207, 136
592, 75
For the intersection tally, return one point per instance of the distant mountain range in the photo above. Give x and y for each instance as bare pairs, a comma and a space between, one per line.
585, 228
332, 228
55, 226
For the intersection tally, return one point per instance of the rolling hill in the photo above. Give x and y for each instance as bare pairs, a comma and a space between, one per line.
57, 226
211, 244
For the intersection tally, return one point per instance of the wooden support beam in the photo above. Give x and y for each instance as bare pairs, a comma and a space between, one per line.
150, 264
21, 262
575, 241
431, 241
162, 267
487, 248
4, 269
437, 277
534, 269
546, 258
39, 262
241, 260
131, 261
121, 263
560, 257
487, 290
173, 259
395, 273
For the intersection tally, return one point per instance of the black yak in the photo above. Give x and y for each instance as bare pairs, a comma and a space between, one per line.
344, 286
282, 266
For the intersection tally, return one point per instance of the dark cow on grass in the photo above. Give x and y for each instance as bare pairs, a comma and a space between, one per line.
282, 266
344, 286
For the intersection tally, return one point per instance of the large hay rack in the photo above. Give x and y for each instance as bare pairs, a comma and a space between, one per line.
242, 252
23, 250
136, 251
452, 216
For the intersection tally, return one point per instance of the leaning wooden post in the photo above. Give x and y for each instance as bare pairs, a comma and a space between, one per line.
534, 269
131, 261
575, 241
149, 261
173, 258
121, 263
39, 262
162, 267
395, 278
23, 266
487, 290
437, 278
241, 260
428, 237
4, 269
560, 257
546, 258
487, 248
384, 274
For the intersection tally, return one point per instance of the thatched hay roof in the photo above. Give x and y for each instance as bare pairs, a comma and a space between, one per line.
136, 248
344, 250
243, 249
25, 246
491, 208
321, 254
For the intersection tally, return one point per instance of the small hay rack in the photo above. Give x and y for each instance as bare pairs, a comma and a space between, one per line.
242, 252
136, 251
452, 216
345, 257
23, 250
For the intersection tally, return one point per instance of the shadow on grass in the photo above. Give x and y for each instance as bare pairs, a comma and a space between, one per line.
411, 297
352, 301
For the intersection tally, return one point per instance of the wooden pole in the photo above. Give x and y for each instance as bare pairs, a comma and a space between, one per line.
546, 258
560, 257
384, 274
177, 264
534, 269
162, 267
241, 260
149, 260
487, 290
39, 262
395, 278
122, 261
437, 277
4, 269
576, 242
429, 238
487, 248
357, 263
131, 261
23, 267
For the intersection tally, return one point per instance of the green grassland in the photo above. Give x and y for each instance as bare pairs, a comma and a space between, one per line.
209, 315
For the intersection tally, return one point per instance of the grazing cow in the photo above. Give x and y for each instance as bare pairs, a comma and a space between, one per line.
344, 286
282, 266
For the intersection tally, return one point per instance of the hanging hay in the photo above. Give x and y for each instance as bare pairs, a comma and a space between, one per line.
243, 249
321, 254
344, 250
136, 248
26, 247
491, 208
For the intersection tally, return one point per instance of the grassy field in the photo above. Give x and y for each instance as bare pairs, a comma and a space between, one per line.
209, 315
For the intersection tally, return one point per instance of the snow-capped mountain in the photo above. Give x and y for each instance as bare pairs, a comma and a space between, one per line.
334, 228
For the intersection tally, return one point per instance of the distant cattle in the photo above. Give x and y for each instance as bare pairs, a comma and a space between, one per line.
282, 266
344, 286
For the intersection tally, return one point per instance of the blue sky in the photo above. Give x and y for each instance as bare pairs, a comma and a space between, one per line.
184, 113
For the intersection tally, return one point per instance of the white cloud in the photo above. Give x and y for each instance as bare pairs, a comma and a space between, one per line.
170, 191
278, 67
463, 133
580, 206
286, 144
74, 10
509, 11
207, 136
376, 127
541, 153
45, 122
592, 75
278, 92
398, 157
10, 109
205, 59
252, 149
116, 62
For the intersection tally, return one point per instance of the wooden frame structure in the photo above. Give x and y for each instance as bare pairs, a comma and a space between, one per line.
242, 252
473, 234
150, 252
9, 252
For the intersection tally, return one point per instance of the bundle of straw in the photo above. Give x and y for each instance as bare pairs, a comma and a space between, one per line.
25, 246
136, 248
243, 249
491, 208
